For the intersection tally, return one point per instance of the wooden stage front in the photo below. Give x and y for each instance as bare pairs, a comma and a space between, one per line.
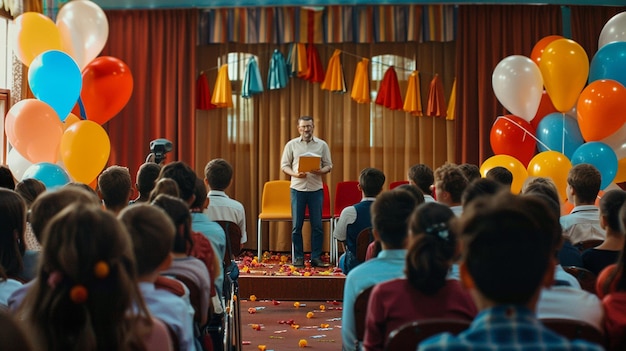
271, 280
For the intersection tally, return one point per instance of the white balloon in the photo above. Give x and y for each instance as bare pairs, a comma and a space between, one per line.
614, 30
617, 142
17, 163
84, 30
518, 85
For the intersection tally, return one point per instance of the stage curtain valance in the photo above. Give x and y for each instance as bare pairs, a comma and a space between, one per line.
331, 24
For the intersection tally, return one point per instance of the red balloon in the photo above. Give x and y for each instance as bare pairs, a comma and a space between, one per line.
601, 109
545, 108
535, 55
107, 87
513, 136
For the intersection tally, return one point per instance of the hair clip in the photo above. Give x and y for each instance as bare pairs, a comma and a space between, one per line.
101, 270
54, 279
439, 229
78, 294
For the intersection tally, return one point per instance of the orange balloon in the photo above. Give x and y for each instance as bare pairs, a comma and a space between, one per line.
538, 49
601, 109
553, 165
35, 130
512, 164
564, 66
69, 120
620, 176
36, 33
107, 87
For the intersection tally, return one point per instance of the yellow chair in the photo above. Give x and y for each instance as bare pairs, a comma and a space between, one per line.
275, 206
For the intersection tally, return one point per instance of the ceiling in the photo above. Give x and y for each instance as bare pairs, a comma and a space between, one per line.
163, 4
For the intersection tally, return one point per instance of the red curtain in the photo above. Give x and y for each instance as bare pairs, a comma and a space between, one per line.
159, 47
486, 35
587, 23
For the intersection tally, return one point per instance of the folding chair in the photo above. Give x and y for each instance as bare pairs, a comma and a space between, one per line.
408, 336
573, 329
346, 194
326, 216
363, 240
360, 314
233, 240
275, 207
585, 277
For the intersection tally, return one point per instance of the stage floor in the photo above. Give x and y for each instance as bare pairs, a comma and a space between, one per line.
274, 278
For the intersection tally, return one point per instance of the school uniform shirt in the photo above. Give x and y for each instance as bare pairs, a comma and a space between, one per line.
223, 208
291, 158
582, 223
557, 302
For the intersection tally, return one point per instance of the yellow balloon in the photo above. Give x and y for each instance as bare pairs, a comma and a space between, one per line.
512, 164
69, 120
36, 34
85, 149
553, 165
620, 177
564, 66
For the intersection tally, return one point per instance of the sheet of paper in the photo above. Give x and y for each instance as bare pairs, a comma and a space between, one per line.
309, 163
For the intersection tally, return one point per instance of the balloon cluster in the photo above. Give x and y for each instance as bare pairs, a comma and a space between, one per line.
58, 135
579, 117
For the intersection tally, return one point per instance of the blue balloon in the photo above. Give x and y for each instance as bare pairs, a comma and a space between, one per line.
54, 78
53, 176
601, 156
609, 63
559, 132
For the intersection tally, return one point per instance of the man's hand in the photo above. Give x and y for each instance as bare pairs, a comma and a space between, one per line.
320, 171
300, 175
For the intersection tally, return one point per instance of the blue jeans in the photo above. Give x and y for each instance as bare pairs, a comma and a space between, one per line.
299, 201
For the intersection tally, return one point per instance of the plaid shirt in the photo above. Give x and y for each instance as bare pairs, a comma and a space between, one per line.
507, 327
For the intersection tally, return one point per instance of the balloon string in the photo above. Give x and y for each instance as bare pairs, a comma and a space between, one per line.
83, 115
525, 130
563, 134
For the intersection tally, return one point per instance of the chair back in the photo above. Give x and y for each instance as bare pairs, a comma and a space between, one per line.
326, 215
363, 240
174, 286
195, 296
585, 277
397, 184
588, 244
408, 336
346, 194
276, 200
360, 312
233, 240
575, 329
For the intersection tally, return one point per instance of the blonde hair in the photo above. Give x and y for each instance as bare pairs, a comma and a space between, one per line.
86, 296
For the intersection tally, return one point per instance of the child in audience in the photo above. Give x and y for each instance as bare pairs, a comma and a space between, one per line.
449, 185
7, 180
597, 258
115, 188
355, 218
12, 228
184, 264
30, 189
85, 296
165, 186
146, 180
421, 176
7, 287
583, 222
471, 171
152, 233
426, 292
500, 175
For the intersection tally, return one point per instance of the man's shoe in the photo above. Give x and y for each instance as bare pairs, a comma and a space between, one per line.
299, 262
316, 262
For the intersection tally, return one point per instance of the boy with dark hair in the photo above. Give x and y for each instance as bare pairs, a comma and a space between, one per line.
390, 214
500, 175
583, 222
471, 171
115, 188
152, 233
508, 256
355, 218
146, 180
421, 176
218, 174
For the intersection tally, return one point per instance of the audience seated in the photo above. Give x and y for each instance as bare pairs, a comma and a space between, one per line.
146, 180
165, 186
85, 296
218, 175
29, 189
421, 176
115, 188
597, 258
478, 188
426, 292
583, 222
355, 218
184, 264
500, 175
152, 233
508, 256
7, 180
12, 228
471, 171
449, 185
390, 214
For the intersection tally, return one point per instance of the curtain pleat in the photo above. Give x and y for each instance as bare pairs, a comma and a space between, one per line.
159, 48
587, 23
